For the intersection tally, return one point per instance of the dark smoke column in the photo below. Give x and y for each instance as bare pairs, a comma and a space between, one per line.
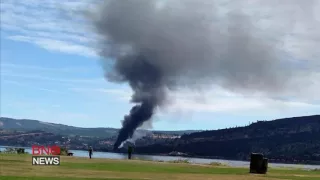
155, 45
145, 80
138, 115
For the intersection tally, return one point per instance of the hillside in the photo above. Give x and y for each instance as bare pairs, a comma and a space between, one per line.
295, 139
288, 139
262, 129
31, 125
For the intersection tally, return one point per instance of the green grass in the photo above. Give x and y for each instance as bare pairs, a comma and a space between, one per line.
157, 168
12, 160
295, 178
294, 171
55, 178
18, 167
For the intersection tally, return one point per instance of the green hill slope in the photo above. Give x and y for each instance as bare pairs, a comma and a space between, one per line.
31, 125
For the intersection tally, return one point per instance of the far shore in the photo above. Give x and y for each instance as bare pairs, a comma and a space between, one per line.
277, 161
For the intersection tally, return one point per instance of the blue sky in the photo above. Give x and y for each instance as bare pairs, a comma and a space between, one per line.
50, 72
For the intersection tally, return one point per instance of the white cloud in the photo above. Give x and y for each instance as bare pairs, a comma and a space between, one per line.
56, 26
49, 115
294, 23
88, 81
17, 83
122, 94
59, 25
215, 100
48, 25
47, 79
12, 67
56, 45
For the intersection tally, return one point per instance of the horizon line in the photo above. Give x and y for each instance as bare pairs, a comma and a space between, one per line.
21, 119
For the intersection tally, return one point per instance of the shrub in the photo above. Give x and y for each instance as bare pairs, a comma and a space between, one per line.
217, 164
20, 150
63, 151
14, 151
180, 161
10, 150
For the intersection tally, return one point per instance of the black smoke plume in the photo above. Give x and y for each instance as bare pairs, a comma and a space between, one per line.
155, 45
145, 80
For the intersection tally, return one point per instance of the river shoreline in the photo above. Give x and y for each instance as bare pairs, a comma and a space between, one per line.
185, 156
296, 162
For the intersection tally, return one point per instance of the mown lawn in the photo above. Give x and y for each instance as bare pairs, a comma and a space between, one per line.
18, 167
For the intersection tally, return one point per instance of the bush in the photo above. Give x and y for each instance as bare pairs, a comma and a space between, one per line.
217, 164
14, 151
180, 161
63, 151
10, 150
20, 150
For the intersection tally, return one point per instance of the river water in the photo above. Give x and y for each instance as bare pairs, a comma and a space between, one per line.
108, 155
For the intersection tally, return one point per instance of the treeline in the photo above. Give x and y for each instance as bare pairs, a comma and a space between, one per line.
263, 129
290, 139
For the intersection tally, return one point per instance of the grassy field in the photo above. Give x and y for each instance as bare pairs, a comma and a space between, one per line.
18, 167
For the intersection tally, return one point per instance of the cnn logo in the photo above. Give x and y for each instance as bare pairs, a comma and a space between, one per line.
45, 150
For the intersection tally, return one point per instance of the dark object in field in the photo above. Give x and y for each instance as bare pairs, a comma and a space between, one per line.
258, 164
130, 149
70, 154
90, 152
20, 150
